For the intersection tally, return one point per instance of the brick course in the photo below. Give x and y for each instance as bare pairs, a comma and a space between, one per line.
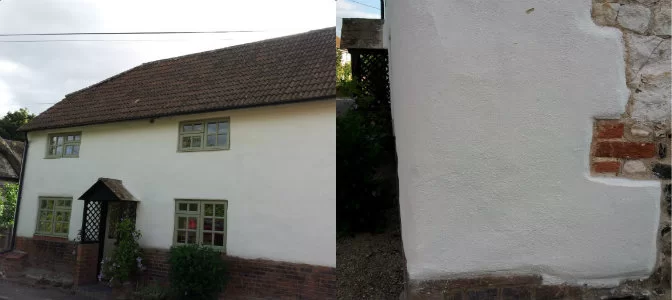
258, 278
49, 253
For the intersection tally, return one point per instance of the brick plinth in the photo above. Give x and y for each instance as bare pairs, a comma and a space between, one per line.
87, 263
49, 253
260, 278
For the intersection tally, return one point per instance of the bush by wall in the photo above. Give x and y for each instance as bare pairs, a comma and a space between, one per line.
196, 272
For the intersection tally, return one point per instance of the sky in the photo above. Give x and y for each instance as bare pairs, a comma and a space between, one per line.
36, 75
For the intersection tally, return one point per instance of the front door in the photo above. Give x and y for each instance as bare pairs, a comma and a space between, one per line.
113, 212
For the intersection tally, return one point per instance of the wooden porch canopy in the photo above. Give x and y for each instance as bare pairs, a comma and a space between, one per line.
96, 207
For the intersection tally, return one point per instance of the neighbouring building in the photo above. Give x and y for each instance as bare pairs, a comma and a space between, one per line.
533, 143
11, 155
233, 148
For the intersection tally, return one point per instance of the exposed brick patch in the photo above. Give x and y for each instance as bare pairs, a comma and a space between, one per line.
609, 129
620, 149
259, 278
606, 167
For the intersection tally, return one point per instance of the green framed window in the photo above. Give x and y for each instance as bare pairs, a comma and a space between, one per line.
203, 135
201, 222
64, 145
53, 217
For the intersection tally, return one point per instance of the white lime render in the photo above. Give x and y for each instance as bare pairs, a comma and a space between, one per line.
493, 105
278, 178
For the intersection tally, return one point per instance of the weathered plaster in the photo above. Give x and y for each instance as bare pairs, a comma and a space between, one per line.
493, 110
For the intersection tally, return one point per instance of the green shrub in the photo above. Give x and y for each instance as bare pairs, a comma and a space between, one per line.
196, 272
8, 195
126, 260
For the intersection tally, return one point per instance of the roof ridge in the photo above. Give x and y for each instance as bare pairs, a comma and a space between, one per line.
194, 54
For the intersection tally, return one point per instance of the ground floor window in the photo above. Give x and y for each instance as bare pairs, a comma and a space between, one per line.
201, 222
54, 216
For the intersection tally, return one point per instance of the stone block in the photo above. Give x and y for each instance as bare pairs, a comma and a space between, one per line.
605, 13
661, 19
634, 17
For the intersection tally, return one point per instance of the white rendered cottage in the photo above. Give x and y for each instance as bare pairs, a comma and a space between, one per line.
233, 148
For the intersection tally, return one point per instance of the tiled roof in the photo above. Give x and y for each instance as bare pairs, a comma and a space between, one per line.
288, 69
11, 154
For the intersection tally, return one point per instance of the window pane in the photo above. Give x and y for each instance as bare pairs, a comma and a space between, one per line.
68, 203
221, 140
196, 141
78, 137
59, 216
191, 237
192, 223
219, 210
60, 140
58, 227
187, 127
71, 138
64, 228
186, 142
43, 203
45, 227
198, 127
182, 206
207, 223
59, 202
181, 237
207, 238
45, 215
59, 150
208, 209
50, 204
68, 150
193, 206
219, 225
219, 239
212, 128
52, 150
211, 140
181, 223
223, 127
54, 140
75, 150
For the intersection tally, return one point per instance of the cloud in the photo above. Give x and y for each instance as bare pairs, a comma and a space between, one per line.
36, 75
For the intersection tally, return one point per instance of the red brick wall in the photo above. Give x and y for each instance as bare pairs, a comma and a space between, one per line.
56, 254
260, 278
85, 270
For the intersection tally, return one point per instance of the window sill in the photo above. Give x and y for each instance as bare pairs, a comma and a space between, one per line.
52, 238
202, 150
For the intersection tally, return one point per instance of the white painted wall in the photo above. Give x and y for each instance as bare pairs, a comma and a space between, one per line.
279, 178
493, 110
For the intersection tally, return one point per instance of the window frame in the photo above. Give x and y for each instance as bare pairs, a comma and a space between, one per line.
199, 215
54, 209
64, 135
203, 134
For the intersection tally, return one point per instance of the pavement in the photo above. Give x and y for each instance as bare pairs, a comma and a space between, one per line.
15, 291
